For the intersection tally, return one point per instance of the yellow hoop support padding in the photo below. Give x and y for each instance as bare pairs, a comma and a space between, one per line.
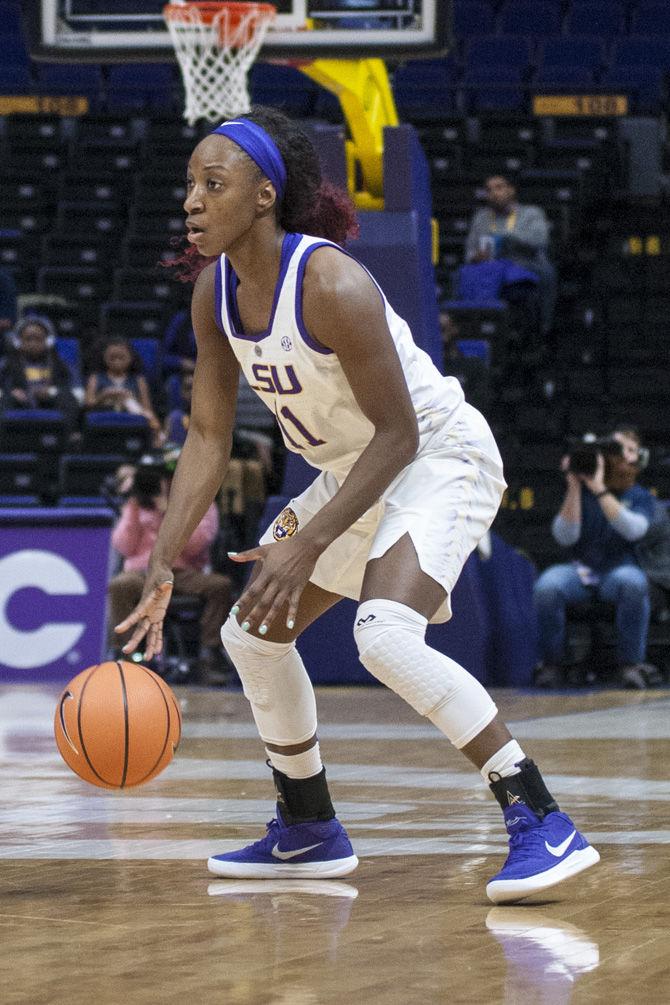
364, 92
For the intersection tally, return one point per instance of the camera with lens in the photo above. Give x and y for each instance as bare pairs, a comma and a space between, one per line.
150, 471
583, 453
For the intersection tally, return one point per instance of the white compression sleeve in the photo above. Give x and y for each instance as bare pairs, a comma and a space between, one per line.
276, 683
391, 645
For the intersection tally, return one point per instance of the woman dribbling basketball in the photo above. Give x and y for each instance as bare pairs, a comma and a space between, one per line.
409, 480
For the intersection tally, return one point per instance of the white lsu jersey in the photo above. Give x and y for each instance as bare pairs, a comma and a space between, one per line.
303, 383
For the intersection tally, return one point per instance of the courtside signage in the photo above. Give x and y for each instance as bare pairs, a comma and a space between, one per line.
53, 586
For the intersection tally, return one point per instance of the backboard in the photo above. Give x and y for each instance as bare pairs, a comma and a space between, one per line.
125, 30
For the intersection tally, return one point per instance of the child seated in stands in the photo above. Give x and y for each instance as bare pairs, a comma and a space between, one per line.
33, 375
117, 384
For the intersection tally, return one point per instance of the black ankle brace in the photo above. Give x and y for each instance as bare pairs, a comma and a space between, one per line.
303, 799
525, 787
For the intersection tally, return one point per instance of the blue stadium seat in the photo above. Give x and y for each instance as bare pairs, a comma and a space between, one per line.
173, 392
565, 61
531, 17
149, 351
115, 433
652, 19
639, 68
69, 351
15, 79
269, 83
492, 53
19, 474
70, 78
145, 317
13, 48
603, 19
20, 501
495, 70
82, 475
472, 17
31, 429
140, 87
426, 88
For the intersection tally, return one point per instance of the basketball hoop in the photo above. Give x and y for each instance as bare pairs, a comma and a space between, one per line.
216, 44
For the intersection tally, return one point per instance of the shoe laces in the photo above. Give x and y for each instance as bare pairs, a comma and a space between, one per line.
272, 829
523, 841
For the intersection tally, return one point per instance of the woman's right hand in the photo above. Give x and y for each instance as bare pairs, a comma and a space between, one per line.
149, 615
571, 478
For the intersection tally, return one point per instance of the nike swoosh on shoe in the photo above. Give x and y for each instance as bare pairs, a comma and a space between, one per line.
284, 855
559, 849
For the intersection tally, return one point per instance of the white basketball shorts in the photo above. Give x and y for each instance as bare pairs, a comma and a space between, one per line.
445, 499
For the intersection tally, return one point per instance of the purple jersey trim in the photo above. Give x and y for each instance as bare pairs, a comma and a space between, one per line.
304, 334
306, 337
218, 297
289, 245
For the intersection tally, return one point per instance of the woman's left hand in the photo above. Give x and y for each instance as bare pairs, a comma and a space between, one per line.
285, 569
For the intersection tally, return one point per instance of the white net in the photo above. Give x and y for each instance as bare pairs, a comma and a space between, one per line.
216, 49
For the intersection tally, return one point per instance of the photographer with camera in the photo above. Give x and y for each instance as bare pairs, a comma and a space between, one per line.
134, 537
604, 513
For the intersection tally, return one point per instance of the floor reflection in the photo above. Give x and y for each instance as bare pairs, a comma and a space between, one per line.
545, 957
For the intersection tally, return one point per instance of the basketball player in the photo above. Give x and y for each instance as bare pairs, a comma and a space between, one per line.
409, 479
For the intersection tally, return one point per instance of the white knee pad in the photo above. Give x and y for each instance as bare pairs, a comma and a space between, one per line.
276, 684
392, 647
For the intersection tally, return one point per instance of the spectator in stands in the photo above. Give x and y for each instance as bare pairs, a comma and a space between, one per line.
118, 384
33, 374
179, 345
601, 518
7, 302
471, 372
507, 230
134, 537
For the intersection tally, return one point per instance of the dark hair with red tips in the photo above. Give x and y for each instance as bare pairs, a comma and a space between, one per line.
310, 204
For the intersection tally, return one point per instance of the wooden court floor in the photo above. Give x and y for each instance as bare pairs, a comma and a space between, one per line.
105, 898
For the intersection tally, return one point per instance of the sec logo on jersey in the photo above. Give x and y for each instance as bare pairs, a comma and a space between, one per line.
286, 524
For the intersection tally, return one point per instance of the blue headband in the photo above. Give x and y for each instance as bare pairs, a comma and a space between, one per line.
260, 147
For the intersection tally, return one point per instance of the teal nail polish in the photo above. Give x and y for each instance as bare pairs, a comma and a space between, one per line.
245, 626
262, 630
235, 609
290, 623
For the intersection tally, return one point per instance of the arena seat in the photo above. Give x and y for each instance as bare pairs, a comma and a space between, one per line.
144, 317
26, 430
651, 19
531, 18
71, 79
115, 433
69, 350
82, 475
141, 87
149, 351
603, 19
495, 70
639, 68
20, 476
571, 61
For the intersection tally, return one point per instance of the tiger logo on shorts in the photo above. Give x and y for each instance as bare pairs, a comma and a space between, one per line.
286, 524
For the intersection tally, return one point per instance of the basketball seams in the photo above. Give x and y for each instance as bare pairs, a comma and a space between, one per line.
168, 726
80, 705
126, 724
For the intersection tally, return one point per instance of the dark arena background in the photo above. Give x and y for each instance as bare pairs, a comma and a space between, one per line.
509, 163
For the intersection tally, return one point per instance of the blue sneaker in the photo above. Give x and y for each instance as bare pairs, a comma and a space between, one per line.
541, 854
320, 850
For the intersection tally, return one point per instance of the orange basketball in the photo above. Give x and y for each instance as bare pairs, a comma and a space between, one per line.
117, 724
